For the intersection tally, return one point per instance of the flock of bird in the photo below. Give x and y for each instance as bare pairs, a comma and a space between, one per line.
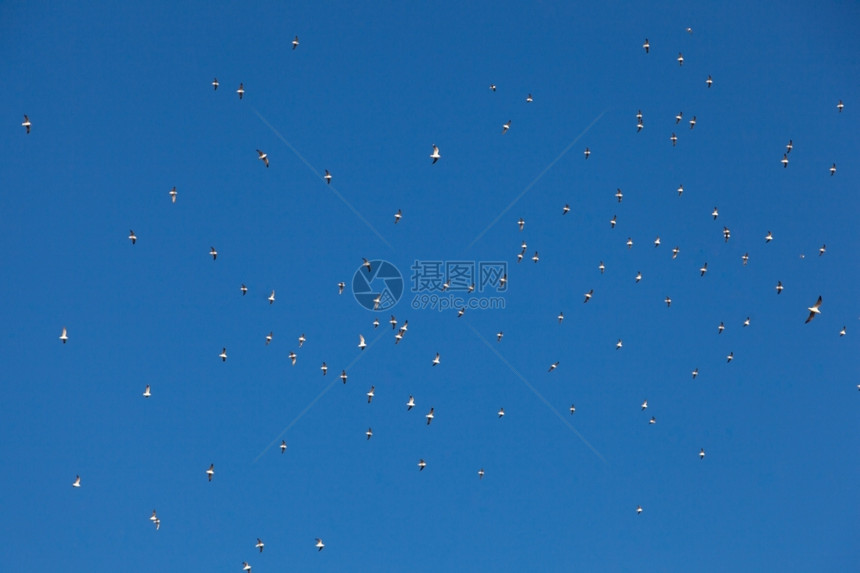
813, 311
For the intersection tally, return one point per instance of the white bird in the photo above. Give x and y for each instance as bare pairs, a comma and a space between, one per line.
272, 297
619, 195
653, 420
246, 567
745, 258
769, 237
153, 517
506, 127
223, 355
840, 106
292, 356
784, 160
587, 152
560, 317
241, 90
132, 237
702, 454
481, 473
814, 310
397, 216
26, 123
501, 412
695, 373
638, 509
529, 98
674, 139
147, 392
618, 344
369, 433
730, 357
565, 209
822, 250
283, 446
588, 295
411, 403
343, 376
213, 253
324, 368
709, 81
361, 344
430, 415
173, 194
499, 336
703, 269
572, 409
244, 289
747, 321
301, 340
680, 58
215, 84
435, 155
833, 169
675, 252
210, 472
693, 122
366, 264
436, 360
553, 366
645, 405
601, 267
521, 223
421, 464
668, 302
789, 146
259, 545
715, 213
629, 242
64, 336
721, 328
327, 177
657, 242
779, 287
295, 42
320, 544
461, 312
679, 117
493, 87
842, 332
370, 394
613, 221
646, 46
638, 276
264, 157
375, 323
340, 286
77, 482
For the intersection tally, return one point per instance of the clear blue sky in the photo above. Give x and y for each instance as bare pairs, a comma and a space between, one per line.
122, 109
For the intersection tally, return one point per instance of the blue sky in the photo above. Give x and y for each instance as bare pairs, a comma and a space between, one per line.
122, 110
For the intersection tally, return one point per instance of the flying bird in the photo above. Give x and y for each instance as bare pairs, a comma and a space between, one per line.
702, 454
565, 209
784, 160
747, 321
295, 42
147, 392
213, 253
259, 545
693, 122
340, 287
501, 412
709, 81
833, 170
301, 340
173, 195
132, 237
715, 213
223, 355
588, 295
529, 98
674, 139
361, 344
675, 252
435, 155
210, 472
779, 287
370, 394
366, 264
840, 106
553, 366
283, 446
695, 373
657, 242
644, 405
560, 317
436, 360
601, 267
521, 223
369, 433
499, 336
324, 368
481, 473
246, 567
241, 90
769, 237
638, 276
320, 544
343, 376
638, 509
493, 87
272, 297
703, 270
619, 195
730, 357
506, 127
629, 242
822, 249
587, 152
721, 328
411, 403
842, 332
613, 221
77, 482
263, 157
789, 146
64, 335
292, 356
26, 123
215, 84
814, 310
680, 59
421, 464
430, 415
397, 216
327, 177
572, 409
244, 289
668, 302
618, 344
679, 117
646, 46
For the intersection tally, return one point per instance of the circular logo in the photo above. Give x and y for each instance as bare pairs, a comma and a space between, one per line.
377, 285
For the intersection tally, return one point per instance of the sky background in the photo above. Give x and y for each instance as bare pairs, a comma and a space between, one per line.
122, 110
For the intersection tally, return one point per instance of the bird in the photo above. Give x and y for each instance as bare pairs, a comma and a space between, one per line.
157, 524
481, 473
210, 472
411, 403
657, 242
842, 332
370, 394
259, 545
653, 420
397, 216
646, 46
784, 160
638, 509
601, 267
675, 252
244, 289
833, 170
529, 98
721, 328
535, 257
638, 276
689, 30
263, 157
77, 482
153, 517
680, 59
553, 366
292, 356
779, 287
430, 415
421, 464
223, 355
715, 213
147, 392
789, 146
369, 433
343, 376
703, 270
726, 234
613, 221
503, 281
215, 84
695, 373
499, 336
730, 357
619, 195
680, 190
769, 237
747, 321
26, 123
822, 249
668, 302
272, 297
132, 237
521, 223
173, 195
709, 81
674, 139
375, 323
295, 42
301, 340
241, 90
361, 344
320, 544
587, 152
213, 253
565, 210
64, 335
493, 87
702, 454
572, 409
462, 311
340, 287
588, 295
283, 446
506, 127
327, 177
840, 106
436, 360
745, 258
618, 345
814, 310
644, 405
324, 368
435, 155
501, 412
693, 122
366, 264
560, 317
629, 242
679, 117
639, 116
